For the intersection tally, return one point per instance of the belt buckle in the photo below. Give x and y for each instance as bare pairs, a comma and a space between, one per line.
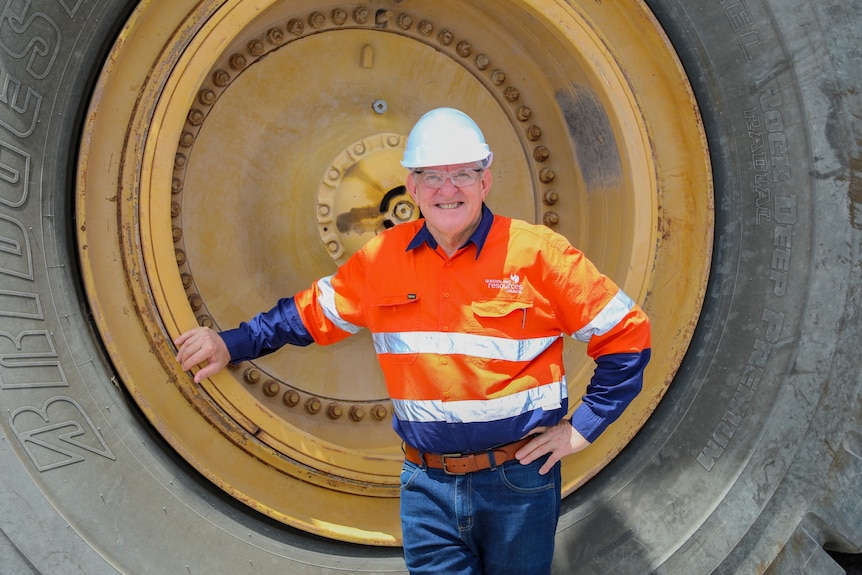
444, 457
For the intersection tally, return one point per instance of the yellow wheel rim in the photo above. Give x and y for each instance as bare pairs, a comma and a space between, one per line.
236, 151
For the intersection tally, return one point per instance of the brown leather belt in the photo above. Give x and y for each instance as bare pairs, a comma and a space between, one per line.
463, 463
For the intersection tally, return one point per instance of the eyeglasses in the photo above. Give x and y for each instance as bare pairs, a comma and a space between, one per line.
436, 179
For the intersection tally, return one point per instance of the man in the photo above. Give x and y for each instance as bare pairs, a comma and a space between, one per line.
467, 310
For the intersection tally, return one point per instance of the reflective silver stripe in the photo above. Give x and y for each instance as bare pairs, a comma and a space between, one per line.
613, 312
547, 397
327, 303
447, 343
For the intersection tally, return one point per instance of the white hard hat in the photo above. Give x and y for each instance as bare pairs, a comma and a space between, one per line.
445, 136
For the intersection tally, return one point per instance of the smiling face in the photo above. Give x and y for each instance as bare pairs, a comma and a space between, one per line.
451, 212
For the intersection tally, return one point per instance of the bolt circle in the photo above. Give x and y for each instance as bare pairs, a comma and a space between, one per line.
356, 413
316, 20
361, 15
339, 16
275, 36
550, 219
541, 154
334, 411
313, 405
271, 388
295, 26
251, 375
291, 398
221, 78
256, 48
237, 62
379, 412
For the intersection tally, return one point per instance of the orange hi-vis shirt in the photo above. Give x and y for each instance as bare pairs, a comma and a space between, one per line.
471, 346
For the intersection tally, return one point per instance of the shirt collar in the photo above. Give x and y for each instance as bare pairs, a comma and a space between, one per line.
478, 237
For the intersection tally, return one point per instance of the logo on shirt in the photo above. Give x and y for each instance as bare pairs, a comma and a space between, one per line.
511, 284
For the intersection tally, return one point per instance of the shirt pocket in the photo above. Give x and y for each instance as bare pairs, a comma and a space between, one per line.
503, 317
394, 322
395, 313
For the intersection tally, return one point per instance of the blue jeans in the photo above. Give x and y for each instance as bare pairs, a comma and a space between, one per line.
491, 522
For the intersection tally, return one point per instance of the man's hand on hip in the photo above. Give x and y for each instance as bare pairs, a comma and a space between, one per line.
559, 440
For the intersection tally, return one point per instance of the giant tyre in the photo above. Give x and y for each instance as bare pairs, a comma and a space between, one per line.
749, 463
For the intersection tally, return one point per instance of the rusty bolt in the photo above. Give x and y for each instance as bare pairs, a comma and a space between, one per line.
316, 20
175, 209
271, 388
295, 26
275, 36
445, 37
176, 233
186, 278
482, 61
251, 375
550, 198
405, 21
256, 48
356, 413
237, 62
180, 161
176, 186
312, 405
206, 321
334, 411
524, 113
339, 16
511, 94
221, 78
361, 15
550, 219
425, 27
547, 175
464, 49
196, 302
206, 97
290, 398
195, 117
181, 256
379, 412
541, 153
187, 139
534, 132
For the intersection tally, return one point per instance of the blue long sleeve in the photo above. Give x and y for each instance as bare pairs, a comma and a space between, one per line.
618, 378
266, 332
